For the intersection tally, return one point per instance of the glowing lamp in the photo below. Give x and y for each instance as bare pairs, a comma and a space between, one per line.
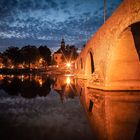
68, 64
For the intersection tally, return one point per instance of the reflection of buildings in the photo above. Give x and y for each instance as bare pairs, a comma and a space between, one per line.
65, 87
112, 115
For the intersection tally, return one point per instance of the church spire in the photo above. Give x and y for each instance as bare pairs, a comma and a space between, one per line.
62, 44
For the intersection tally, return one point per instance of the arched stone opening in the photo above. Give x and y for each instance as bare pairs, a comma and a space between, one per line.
89, 67
135, 29
124, 66
91, 63
81, 62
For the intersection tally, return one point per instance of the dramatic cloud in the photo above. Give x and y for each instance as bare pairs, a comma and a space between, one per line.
47, 21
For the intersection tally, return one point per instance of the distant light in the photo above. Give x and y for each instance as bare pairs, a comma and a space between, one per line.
68, 64
68, 80
1, 77
1, 66
22, 78
40, 60
40, 82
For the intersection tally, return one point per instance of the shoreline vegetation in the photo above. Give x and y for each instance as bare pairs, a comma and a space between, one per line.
20, 71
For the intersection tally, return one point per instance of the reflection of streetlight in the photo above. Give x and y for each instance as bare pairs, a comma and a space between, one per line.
40, 82
68, 81
1, 77
22, 78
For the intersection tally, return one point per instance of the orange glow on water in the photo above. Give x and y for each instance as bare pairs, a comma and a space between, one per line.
40, 82
68, 80
1, 77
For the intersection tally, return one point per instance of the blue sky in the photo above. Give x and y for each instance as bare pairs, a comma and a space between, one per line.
45, 22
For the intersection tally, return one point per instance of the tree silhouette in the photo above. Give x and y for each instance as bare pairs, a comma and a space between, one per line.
30, 54
45, 53
13, 54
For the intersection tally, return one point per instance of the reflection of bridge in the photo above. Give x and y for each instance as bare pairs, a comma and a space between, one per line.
111, 58
112, 115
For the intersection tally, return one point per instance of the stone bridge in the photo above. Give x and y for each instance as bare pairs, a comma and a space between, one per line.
111, 58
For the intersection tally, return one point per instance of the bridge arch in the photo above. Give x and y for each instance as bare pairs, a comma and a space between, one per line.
124, 67
135, 29
89, 64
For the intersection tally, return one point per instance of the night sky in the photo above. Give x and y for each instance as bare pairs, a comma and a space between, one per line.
45, 22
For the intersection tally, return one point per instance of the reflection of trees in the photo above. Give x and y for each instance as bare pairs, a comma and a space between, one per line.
46, 87
11, 86
29, 88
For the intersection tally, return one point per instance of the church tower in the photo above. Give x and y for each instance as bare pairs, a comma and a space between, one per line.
63, 45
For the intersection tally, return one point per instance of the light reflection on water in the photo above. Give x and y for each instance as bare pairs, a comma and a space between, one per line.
30, 86
40, 107
112, 115
27, 86
54, 110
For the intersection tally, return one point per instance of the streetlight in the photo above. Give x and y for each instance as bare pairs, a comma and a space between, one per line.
68, 64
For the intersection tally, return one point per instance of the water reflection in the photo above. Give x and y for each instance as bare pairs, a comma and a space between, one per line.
41, 118
65, 87
27, 86
30, 86
112, 115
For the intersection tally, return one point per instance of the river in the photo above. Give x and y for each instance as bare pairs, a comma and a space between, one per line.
43, 107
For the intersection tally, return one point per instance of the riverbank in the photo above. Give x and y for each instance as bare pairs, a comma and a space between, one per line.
20, 71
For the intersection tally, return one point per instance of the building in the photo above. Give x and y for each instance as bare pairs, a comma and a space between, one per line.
58, 56
65, 54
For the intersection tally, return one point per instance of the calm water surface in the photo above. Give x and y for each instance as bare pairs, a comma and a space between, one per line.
42, 107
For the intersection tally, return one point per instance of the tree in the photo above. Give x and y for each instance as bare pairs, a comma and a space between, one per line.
30, 54
13, 54
71, 52
45, 53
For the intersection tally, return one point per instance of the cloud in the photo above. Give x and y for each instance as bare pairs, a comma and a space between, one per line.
49, 20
